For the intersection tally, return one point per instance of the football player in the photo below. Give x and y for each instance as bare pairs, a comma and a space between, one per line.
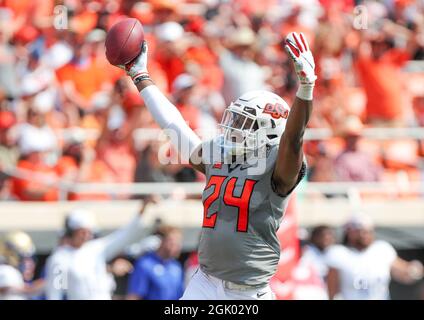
251, 168
17, 266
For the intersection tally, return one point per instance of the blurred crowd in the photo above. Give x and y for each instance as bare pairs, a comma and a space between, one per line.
122, 265
67, 116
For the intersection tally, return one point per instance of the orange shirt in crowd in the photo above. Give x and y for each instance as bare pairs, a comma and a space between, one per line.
30, 8
212, 75
382, 85
99, 172
20, 187
87, 80
120, 160
111, 73
173, 66
84, 22
66, 166
159, 76
25, 14
20, 7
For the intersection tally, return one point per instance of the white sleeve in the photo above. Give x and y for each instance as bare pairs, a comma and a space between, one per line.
111, 245
386, 251
169, 118
10, 277
55, 279
334, 256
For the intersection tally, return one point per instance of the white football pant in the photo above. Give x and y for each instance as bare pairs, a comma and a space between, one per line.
206, 287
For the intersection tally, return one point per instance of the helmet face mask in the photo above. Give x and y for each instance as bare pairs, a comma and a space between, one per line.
239, 130
253, 121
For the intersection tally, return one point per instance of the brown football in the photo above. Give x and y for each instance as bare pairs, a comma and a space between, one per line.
123, 41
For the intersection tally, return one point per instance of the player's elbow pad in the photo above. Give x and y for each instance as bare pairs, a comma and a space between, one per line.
169, 118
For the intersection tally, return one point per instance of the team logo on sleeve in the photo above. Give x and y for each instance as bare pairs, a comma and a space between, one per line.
276, 110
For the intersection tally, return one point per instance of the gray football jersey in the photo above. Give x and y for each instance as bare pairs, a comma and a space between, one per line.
242, 214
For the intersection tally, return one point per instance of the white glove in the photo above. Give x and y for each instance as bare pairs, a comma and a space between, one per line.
137, 68
298, 49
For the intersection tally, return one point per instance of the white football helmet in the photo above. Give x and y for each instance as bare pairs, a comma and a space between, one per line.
256, 119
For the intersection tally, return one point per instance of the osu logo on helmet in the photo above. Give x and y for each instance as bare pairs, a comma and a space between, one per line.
276, 110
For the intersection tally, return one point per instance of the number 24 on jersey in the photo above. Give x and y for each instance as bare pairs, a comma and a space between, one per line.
242, 202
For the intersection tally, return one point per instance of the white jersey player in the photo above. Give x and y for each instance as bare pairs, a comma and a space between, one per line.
77, 269
16, 265
251, 169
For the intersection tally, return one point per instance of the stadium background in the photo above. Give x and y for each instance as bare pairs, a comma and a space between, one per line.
75, 133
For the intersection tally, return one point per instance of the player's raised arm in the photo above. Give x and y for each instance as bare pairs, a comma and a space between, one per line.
290, 154
163, 111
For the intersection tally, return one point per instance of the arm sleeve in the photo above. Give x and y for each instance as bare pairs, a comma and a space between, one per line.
387, 252
112, 244
169, 118
138, 283
333, 257
55, 278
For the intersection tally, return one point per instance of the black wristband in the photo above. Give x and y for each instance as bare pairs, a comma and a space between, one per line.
141, 77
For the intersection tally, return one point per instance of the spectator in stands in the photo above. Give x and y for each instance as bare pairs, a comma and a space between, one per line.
171, 47
115, 145
189, 99
354, 164
306, 278
236, 58
38, 80
320, 162
182, 91
36, 131
164, 10
379, 64
321, 238
63, 73
158, 275
82, 77
77, 269
38, 150
80, 164
361, 267
149, 168
34, 180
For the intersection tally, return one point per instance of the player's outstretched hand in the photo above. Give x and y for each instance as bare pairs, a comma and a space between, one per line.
137, 68
298, 49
